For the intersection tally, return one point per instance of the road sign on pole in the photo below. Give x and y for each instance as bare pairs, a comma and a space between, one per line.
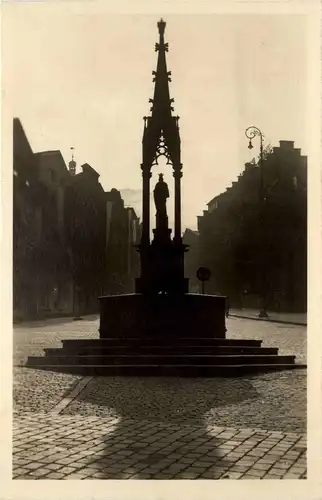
203, 275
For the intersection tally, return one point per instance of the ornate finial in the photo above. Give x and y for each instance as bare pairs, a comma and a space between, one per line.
161, 26
72, 150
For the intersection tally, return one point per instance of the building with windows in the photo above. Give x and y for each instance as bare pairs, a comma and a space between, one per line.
56, 293
72, 242
28, 194
235, 242
122, 236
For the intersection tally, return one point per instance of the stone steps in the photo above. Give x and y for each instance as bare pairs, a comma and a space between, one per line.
163, 356
160, 350
159, 341
152, 359
169, 370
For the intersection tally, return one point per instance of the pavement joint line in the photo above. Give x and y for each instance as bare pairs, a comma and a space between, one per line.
71, 396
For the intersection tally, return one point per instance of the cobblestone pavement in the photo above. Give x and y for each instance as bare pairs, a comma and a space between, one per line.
56, 447
258, 401
36, 390
119, 427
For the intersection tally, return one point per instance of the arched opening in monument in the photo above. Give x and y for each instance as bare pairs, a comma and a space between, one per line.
167, 172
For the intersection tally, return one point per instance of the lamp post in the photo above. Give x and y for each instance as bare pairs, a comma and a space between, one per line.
76, 312
250, 133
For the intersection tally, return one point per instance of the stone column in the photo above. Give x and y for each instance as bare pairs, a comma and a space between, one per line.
146, 174
177, 174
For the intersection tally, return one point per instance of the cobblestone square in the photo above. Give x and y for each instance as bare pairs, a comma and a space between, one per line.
250, 427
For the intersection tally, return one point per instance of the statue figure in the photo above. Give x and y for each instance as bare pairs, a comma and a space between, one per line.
161, 193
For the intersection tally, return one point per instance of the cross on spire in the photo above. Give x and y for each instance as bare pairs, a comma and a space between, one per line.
161, 102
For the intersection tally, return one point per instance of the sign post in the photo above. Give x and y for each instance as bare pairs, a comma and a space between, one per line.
203, 275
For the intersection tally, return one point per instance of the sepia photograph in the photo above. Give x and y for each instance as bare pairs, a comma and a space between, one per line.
159, 243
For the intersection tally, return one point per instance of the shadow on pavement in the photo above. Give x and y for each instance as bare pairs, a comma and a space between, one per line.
162, 428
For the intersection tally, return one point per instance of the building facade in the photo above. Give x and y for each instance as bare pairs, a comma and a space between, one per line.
85, 228
235, 242
72, 242
28, 194
55, 285
122, 236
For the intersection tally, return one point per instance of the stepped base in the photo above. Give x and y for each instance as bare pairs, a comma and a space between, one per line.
156, 335
164, 360
168, 370
163, 356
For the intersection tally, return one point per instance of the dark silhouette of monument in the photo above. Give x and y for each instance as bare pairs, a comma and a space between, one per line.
162, 305
162, 261
162, 329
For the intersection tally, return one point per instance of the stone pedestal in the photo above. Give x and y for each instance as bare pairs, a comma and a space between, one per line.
162, 267
171, 316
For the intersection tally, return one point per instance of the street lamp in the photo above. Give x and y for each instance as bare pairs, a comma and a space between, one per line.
250, 133
76, 312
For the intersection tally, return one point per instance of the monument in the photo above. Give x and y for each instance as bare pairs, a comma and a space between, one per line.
162, 329
162, 304
162, 262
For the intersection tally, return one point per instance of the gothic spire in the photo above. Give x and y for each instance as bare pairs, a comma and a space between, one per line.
161, 130
161, 103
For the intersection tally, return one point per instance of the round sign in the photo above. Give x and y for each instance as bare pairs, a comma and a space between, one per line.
203, 274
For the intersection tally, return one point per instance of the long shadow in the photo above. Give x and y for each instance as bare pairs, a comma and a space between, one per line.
163, 428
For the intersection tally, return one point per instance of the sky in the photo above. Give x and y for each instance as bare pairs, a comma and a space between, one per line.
84, 80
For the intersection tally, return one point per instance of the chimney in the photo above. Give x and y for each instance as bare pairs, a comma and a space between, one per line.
286, 144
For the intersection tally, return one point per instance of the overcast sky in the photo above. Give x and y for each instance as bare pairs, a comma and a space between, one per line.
85, 80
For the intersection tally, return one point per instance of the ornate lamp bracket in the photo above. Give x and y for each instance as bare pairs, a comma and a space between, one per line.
252, 132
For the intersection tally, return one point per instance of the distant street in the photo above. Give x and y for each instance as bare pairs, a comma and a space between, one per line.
158, 427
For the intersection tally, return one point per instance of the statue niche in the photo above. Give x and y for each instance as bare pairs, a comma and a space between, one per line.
161, 194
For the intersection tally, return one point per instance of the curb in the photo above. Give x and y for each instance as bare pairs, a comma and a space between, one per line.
296, 323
